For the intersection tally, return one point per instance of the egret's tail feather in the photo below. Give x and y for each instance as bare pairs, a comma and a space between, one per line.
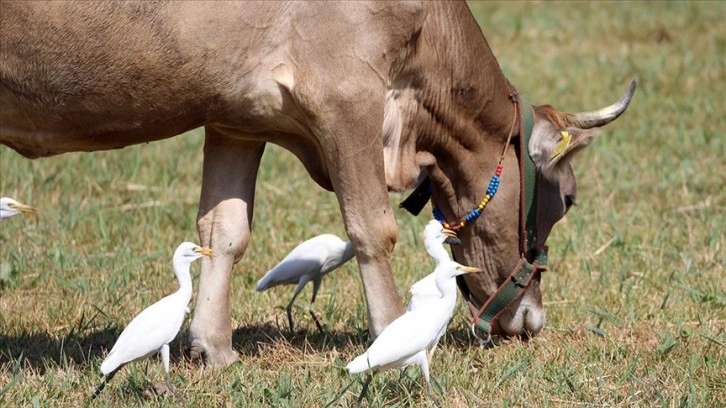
359, 364
109, 365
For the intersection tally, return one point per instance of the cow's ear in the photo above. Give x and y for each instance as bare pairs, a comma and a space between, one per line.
551, 147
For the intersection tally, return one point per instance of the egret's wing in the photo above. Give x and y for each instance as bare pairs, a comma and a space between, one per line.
423, 292
306, 258
155, 326
339, 252
405, 337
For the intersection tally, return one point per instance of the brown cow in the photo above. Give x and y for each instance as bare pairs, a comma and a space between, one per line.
370, 96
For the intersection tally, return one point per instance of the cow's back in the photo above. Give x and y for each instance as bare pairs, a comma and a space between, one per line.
100, 75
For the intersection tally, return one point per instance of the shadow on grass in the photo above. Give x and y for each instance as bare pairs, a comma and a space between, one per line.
40, 351
248, 340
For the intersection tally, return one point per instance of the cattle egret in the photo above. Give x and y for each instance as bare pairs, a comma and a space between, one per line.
10, 207
423, 291
155, 327
309, 261
407, 339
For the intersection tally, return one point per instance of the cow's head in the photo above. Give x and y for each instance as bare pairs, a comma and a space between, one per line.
492, 242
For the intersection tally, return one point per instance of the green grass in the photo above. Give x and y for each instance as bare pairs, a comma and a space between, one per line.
636, 298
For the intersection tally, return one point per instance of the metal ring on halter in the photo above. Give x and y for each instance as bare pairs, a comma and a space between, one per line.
482, 341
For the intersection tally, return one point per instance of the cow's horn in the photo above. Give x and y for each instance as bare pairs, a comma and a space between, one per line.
601, 117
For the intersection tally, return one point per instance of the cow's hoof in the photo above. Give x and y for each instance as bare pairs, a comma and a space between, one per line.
221, 357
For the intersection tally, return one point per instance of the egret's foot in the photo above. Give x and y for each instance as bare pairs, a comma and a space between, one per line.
432, 389
317, 322
436, 386
212, 357
165, 388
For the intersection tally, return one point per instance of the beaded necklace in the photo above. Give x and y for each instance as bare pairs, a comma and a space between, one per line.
491, 189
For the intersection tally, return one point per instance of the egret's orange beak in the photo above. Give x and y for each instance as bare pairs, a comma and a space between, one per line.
449, 233
451, 237
204, 251
23, 208
467, 269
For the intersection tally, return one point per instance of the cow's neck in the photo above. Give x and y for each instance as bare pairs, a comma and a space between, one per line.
460, 120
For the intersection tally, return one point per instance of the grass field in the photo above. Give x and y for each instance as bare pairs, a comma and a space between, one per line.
636, 296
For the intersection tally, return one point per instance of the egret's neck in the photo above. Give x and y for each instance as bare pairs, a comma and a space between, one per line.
348, 251
445, 282
437, 251
181, 270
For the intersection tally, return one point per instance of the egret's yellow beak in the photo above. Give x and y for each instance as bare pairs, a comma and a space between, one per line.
23, 208
447, 232
468, 269
450, 235
204, 251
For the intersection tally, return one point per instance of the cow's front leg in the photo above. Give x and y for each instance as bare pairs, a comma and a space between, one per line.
224, 219
357, 173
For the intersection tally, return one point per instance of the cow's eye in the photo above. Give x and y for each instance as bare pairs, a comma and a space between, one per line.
569, 200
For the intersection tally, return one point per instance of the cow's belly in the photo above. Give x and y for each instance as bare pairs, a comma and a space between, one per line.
36, 131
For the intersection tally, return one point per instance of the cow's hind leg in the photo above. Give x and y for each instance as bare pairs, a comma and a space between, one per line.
224, 219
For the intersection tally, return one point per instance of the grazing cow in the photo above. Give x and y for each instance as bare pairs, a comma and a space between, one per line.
370, 96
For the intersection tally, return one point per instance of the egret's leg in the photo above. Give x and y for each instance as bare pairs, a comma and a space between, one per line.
363, 391
223, 221
316, 287
317, 322
424, 363
106, 380
101, 386
300, 285
165, 359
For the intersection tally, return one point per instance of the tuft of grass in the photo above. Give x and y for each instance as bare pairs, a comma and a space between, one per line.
635, 296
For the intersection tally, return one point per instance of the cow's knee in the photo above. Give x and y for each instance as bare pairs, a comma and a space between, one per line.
374, 249
376, 241
225, 228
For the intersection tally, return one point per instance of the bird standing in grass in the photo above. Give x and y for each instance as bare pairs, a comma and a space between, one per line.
408, 339
10, 207
155, 327
425, 290
434, 237
309, 261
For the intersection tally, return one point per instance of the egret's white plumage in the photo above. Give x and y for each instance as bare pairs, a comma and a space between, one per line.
155, 327
308, 262
10, 207
425, 290
407, 339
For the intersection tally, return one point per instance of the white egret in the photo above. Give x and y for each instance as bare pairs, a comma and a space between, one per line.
434, 237
425, 290
155, 327
10, 207
407, 339
309, 261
